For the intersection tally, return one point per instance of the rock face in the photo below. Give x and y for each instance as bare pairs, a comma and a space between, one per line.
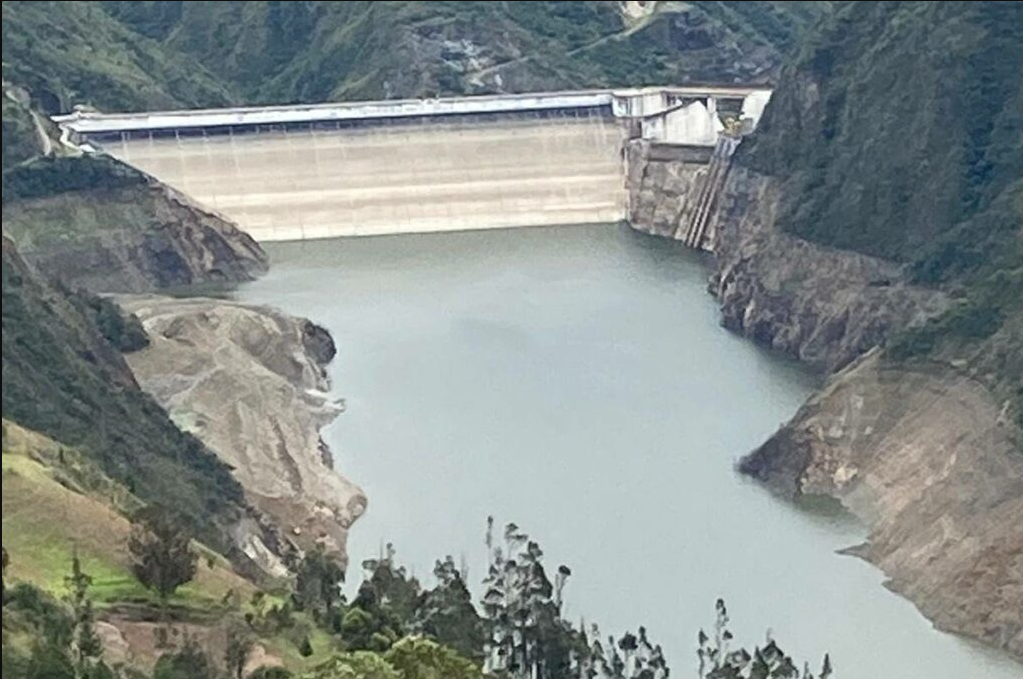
921, 437
921, 452
822, 305
133, 238
663, 183
250, 383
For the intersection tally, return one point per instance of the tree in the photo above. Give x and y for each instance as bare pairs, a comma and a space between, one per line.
385, 607
718, 662
191, 662
50, 661
86, 648
161, 552
364, 630
446, 612
416, 658
318, 582
527, 636
357, 665
240, 642
267, 672
387, 585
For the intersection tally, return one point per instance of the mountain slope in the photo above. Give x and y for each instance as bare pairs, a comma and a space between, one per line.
64, 378
56, 501
898, 124
152, 55
93, 222
878, 210
67, 53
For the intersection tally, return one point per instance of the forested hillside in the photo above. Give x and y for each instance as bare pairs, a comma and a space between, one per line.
67, 53
151, 55
897, 132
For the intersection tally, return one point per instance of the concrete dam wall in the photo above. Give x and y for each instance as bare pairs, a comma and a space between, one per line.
415, 177
366, 168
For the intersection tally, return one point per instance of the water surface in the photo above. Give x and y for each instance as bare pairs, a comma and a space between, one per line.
575, 380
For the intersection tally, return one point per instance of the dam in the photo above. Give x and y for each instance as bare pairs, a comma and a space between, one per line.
412, 166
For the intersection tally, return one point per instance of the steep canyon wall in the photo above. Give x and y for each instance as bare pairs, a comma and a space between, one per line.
922, 450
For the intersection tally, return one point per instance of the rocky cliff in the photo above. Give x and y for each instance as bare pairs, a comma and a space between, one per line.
250, 383
98, 224
823, 305
881, 237
925, 455
925, 450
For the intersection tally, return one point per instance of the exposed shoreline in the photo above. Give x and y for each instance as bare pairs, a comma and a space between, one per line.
250, 383
933, 487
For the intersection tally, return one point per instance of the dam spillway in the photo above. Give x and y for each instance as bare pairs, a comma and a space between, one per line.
412, 166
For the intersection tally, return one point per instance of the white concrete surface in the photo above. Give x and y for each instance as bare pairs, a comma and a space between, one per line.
693, 125
404, 179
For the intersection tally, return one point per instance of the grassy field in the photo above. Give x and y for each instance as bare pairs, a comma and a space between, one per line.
51, 509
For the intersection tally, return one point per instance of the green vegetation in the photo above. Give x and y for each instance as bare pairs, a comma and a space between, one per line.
719, 661
397, 629
318, 581
898, 133
274, 52
86, 648
55, 175
191, 662
67, 538
161, 552
57, 505
67, 53
19, 137
124, 332
38, 633
63, 378
152, 55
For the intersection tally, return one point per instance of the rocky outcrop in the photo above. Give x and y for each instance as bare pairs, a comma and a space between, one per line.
822, 305
250, 383
922, 452
663, 182
136, 236
919, 436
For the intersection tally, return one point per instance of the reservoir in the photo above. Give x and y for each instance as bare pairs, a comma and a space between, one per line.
575, 381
